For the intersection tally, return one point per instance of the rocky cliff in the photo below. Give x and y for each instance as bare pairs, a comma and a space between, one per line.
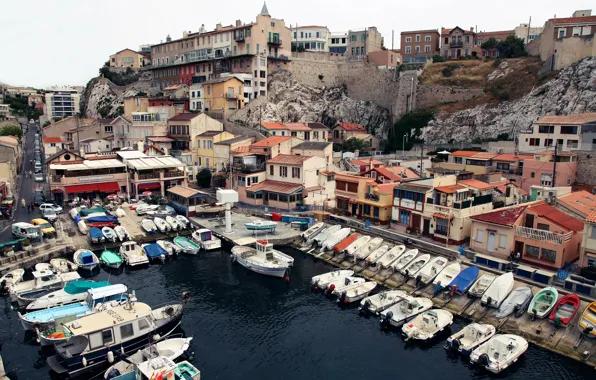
573, 90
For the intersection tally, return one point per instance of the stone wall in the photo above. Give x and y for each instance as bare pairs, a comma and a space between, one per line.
432, 95
586, 167
572, 49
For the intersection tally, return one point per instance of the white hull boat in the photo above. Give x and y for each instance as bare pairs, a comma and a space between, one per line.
12, 278
404, 259
63, 266
415, 265
498, 290
122, 233
149, 226
447, 275
381, 301
336, 287
261, 259
368, 248
500, 352
144, 208
427, 325
432, 269
323, 280
312, 231
133, 254
174, 223
404, 310
43, 267
168, 246
44, 282
318, 239
355, 292
206, 239
183, 221
356, 245
335, 239
516, 302
85, 259
161, 224
470, 337
109, 234
480, 286
377, 254
391, 256
75, 291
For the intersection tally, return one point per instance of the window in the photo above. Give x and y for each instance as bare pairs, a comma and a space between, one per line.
467, 40
271, 172
548, 255
143, 324
572, 143
107, 128
569, 129
100, 339
209, 144
532, 251
534, 142
546, 180
593, 232
548, 142
543, 227
532, 175
375, 211
502, 241
418, 38
502, 166
546, 129
576, 31
295, 172
408, 49
283, 171
427, 48
442, 226
52, 144
408, 39
126, 331
417, 49
480, 236
586, 30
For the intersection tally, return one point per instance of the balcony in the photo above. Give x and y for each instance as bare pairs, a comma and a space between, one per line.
239, 38
174, 174
274, 41
456, 44
541, 235
153, 175
280, 57
231, 96
372, 197
248, 168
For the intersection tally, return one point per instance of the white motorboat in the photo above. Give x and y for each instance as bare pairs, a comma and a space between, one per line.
161, 224
355, 292
356, 245
161, 368
381, 301
85, 259
206, 239
12, 278
336, 287
404, 310
174, 223
262, 259
368, 248
427, 325
498, 290
312, 231
168, 246
432, 269
448, 274
133, 254
74, 291
480, 286
404, 259
43, 267
391, 256
321, 281
44, 282
149, 226
318, 239
109, 234
499, 352
122, 233
172, 349
61, 265
335, 239
517, 301
183, 221
415, 265
470, 337
377, 254
261, 225
144, 208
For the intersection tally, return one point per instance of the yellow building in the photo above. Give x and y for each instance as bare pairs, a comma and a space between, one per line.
223, 96
135, 104
376, 202
127, 58
206, 148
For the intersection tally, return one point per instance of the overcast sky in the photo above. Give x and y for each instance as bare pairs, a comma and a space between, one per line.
64, 42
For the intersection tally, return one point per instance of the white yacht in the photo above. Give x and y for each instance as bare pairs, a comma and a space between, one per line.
427, 325
263, 259
43, 282
74, 291
499, 352
133, 254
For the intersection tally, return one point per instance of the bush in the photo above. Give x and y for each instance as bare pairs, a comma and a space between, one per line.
11, 130
449, 69
438, 58
321, 76
497, 62
219, 180
26, 243
204, 178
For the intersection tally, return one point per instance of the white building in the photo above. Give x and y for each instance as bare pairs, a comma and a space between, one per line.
196, 98
311, 38
4, 111
568, 132
527, 32
62, 102
338, 43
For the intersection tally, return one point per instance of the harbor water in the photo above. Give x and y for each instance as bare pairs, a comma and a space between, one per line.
247, 326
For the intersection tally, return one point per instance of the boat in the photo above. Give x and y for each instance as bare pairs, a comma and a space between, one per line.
462, 282
109, 234
172, 348
85, 212
206, 239
543, 302
404, 310
499, 352
376, 303
161, 224
480, 286
149, 226
427, 325
470, 337
321, 281
85, 259
431, 269
44, 282
74, 291
143, 208
155, 252
565, 309
517, 301
447, 275
159, 368
122, 233
168, 246
77, 355
10, 279
133, 254
336, 287
96, 299
377, 254
111, 259
498, 291
326, 234
262, 259
404, 259
312, 231
390, 257
355, 292
587, 322
261, 225
351, 249
187, 246
105, 219
175, 225
338, 238
368, 248
96, 236
183, 221
43, 266
415, 265
62, 265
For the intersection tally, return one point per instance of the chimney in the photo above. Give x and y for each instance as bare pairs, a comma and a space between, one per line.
168, 38
185, 34
165, 150
218, 26
202, 29
472, 29
238, 23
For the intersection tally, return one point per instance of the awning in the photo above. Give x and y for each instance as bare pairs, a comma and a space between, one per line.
108, 187
352, 201
88, 188
151, 185
442, 216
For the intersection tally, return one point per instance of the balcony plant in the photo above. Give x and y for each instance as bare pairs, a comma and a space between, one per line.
8, 251
26, 244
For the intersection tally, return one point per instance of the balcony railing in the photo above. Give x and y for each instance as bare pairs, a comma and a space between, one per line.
174, 173
231, 96
456, 44
148, 176
372, 197
239, 38
541, 235
274, 41
280, 57
248, 168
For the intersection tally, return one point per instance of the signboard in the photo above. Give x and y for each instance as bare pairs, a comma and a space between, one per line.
95, 178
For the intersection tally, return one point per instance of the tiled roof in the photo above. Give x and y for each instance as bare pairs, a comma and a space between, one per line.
578, 118
174, 87
233, 140
503, 217
288, 159
442, 216
275, 187
352, 127
512, 158
185, 116
365, 162
183, 191
591, 218
484, 156
313, 145
210, 133
581, 201
476, 184
558, 217
559, 153
271, 141
317, 126
448, 31
297, 127
52, 140
105, 121
574, 20
464, 153
450, 189
421, 31
241, 149
272, 125
394, 172
387, 188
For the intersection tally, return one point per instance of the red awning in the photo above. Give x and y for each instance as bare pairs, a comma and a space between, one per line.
88, 188
149, 186
108, 187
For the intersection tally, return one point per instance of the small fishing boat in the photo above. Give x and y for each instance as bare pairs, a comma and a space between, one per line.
587, 322
74, 291
427, 325
312, 231
262, 259
174, 223
498, 291
415, 265
206, 239
261, 225
368, 248
543, 302
109, 234
169, 247
11, 278
158, 368
95, 236
448, 274
517, 301
144, 208
404, 310
499, 352
355, 292
133, 254
43, 267
462, 282
321, 281
122, 233
480, 286
376, 303
336, 287
404, 259
321, 237
62, 265
110, 259
390, 257
470, 337
187, 246
377, 254
85, 259
183, 221
339, 241
431, 269
155, 252
149, 226
565, 309
356, 245
161, 224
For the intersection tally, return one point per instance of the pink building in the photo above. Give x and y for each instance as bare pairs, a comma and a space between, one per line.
539, 171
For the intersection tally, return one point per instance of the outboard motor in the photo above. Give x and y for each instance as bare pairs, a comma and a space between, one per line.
533, 314
483, 360
315, 286
342, 297
113, 373
418, 279
3, 288
185, 297
330, 289
366, 306
385, 320
455, 344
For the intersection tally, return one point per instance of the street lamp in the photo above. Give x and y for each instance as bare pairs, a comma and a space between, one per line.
403, 145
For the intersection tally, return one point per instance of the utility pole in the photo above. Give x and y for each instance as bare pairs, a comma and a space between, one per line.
392, 39
555, 165
528, 35
231, 168
421, 157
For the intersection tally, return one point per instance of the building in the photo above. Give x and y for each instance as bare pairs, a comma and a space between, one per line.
509, 165
127, 58
342, 131
310, 38
373, 201
588, 247
482, 37
4, 111
527, 33
390, 174
135, 104
274, 146
97, 134
207, 152
457, 42
373, 144
385, 59
185, 200
366, 164
224, 151
419, 46
156, 174
549, 171
315, 148
362, 42
338, 43
578, 203
348, 190
62, 103
185, 129
223, 96
52, 145
66, 129
569, 132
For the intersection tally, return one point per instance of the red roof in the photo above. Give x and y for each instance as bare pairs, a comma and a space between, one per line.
52, 140
365, 162
298, 127
450, 189
558, 217
269, 125
185, 116
275, 187
591, 218
271, 141
352, 127
512, 157
394, 172
476, 184
574, 20
504, 217
288, 159
464, 153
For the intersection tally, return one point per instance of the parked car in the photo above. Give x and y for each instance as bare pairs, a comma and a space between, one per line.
24, 230
46, 227
39, 199
53, 206
8, 200
38, 177
6, 210
49, 214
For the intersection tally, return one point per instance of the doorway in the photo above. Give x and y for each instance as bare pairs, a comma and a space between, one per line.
265, 198
492, 237
416, 222
519, 247
529, 221
426, 227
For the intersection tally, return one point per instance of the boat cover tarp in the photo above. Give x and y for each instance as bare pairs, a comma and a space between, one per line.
87, 257
465, 278
154, 251
81, 286
110, 257
87, 211
102, 219
77, 219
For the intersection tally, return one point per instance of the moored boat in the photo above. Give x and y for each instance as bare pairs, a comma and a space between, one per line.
324, 235
96, 236
356, 245
355, 292
155, 252
517, 301
498, 291
63, 265
312, 231
480, 285
339, 240
543, 302
109, 234
431, 269
462, 282
175, 225
587, 321
261, 225
448, 274
391, 256
470, 337
149, 226
122, 233
427, 325
206, 239
186, 245
404, 259
336, 287
499, 352
161, 224
11, 278
110, 259
377, 254
368, 248
376, 303
565, 309
183, 221
262, 259
43, 283
323, 280
171, 248
85, 259
133, 254
74, 291
415, 265
404, 310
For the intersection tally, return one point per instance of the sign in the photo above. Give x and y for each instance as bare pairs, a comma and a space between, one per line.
95, 178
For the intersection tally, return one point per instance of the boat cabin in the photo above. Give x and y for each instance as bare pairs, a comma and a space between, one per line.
203, 234
107, 294
129, 247
42, 277
266, 248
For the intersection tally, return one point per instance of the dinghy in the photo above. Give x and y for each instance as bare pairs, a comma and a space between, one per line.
149, 226
391, 256
480, 286
321, 281
517, 301
431, 269
564, 310
355, 292
12, 278
187, 246
110, 259
74, 291
109, 234
183, 221
368, 248
144, 208
404, 310
61, 265
415, 265
169, 247
95, 236
43, 267
543, 302
404, 259
318, 239
339, 241
587, 322
462, 282
356, 245
312, 231
336, 287
498, 291
470, 337
155, 252
158, 368
206, 239
381, 301
133, 254
85, 259
448, 274
161, 224
262, 259
377, 254
499, 352
122, 233
174, 223
427, 325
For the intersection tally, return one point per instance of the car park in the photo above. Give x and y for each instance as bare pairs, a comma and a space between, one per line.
54, 207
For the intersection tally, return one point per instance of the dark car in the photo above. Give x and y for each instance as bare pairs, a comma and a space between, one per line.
6, 210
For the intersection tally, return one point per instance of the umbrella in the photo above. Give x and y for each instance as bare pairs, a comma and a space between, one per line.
146, 193
444, 152
112, 196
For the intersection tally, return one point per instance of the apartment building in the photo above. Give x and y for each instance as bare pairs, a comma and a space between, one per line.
418, 46
549, 171
362, 42
457, 42
62, 103
155, 174
527, 32
316, 149
342, 131
4, 111
311, 38
223, 96
348, 190
185, 129
127, 58
338, 43
207, 151
588, 247
224, 152
135, 104
52, 145
385, 59
568, 132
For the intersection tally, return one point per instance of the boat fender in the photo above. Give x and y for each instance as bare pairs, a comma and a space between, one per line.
156, 337
84, 361
483, 360
331, 288
315, 285
110, 357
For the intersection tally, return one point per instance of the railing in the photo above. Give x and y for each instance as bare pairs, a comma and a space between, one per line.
274, 41
541, 235
174, 173
231, 96
280, 57
239, 38
455, 44
148, 176
443, 209
248, 168
372, 197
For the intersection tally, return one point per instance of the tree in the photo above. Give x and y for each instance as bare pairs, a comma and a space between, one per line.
490, 44
512, 47
353, 144
204, 178
219, 180
11, 130
46, 124
438, 58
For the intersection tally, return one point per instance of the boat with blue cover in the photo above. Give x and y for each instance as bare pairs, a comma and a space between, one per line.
462, 282
74, 291
102, 219
155, 252
111, 259
96, 236
86, 259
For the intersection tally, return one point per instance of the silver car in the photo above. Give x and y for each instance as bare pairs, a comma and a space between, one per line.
52, 206
49, 214
38, 177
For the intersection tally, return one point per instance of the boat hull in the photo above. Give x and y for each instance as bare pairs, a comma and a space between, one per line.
266, 271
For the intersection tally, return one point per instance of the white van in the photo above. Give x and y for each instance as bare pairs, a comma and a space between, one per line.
25, 230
